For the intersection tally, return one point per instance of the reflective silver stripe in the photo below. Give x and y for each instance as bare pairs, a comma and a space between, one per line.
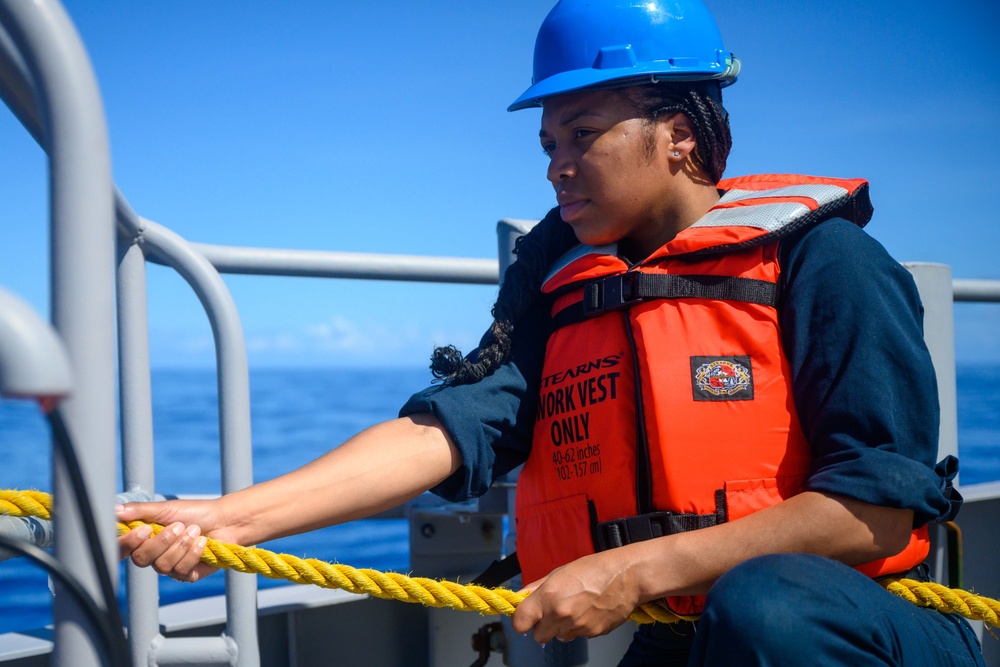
579, 252
823, 194
770, 217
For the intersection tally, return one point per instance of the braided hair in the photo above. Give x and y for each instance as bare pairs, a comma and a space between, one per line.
535, 251
701, 102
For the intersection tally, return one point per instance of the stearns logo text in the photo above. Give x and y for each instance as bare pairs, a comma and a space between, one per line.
609, 361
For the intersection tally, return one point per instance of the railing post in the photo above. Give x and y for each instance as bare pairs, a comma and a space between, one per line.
524, 650
234, 410
82, 253
935, 287
137, 435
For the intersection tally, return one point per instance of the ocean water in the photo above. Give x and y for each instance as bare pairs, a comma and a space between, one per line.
298, 415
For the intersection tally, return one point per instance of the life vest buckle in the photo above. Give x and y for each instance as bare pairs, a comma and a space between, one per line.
611, 293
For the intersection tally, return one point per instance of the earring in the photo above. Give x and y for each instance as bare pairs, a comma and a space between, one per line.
677, 153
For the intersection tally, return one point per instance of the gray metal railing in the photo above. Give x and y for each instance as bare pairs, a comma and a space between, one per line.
24, 71
976, 291
364, 266
137, 451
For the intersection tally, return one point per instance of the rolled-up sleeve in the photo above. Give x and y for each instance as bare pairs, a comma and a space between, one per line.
863, 382
490, 421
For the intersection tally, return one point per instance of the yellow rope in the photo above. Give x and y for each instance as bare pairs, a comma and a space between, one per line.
947, 600
435, 593
25, 503
385, 585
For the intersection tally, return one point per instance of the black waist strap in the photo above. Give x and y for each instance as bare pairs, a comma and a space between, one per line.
619, 532
627, 289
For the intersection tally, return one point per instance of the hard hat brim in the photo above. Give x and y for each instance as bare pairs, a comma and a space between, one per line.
597, 79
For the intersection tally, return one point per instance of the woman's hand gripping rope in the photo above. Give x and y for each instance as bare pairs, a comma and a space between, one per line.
167, 536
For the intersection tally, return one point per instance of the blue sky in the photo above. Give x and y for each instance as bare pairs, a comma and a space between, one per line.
381, 127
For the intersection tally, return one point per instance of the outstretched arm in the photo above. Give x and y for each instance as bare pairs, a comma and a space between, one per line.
381, 467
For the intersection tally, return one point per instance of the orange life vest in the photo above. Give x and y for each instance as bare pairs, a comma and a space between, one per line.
665, 402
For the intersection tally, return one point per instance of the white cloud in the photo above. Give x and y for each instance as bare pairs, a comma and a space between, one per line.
339, 334
281, 341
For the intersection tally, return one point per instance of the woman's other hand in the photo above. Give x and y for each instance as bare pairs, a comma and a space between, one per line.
586, 598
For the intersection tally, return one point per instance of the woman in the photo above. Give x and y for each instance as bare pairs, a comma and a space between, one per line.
717, 387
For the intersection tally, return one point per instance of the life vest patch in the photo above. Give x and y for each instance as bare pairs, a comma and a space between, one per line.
722, 378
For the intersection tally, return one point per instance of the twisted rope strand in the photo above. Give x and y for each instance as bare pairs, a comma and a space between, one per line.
947, 600
25, 503
434, 593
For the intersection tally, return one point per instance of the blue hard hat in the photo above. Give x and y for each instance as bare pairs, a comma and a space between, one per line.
589, 44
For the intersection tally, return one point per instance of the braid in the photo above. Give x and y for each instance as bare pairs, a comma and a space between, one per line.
702, 104
535, 251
